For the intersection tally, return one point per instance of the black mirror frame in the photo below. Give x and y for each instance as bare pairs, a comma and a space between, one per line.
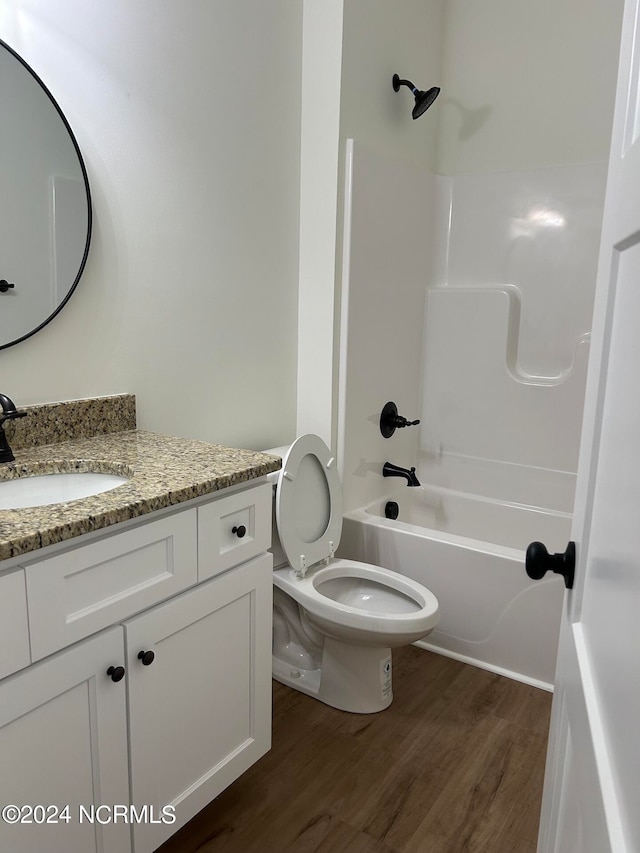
87, 190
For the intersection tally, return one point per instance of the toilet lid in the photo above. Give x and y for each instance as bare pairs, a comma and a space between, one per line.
309, 503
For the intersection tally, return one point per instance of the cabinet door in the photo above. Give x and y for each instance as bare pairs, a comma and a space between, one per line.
200, 712
63, 742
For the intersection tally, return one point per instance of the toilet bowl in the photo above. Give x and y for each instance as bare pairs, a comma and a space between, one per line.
335, 621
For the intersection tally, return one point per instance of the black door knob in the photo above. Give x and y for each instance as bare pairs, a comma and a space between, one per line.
239, 531
147, 657
116, 673
539, 561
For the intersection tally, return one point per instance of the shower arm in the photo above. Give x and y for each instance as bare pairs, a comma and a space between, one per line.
397, 82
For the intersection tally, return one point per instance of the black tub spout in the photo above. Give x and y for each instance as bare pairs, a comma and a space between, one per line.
389, 470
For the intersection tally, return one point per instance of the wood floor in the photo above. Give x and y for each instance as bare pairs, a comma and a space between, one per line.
455, 764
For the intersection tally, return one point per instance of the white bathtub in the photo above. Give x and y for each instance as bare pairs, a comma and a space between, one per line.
469, 551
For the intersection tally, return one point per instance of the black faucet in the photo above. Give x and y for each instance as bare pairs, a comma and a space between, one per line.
9, 413
389, 470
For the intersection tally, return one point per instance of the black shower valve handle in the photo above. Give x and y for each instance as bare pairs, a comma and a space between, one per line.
390, 420
403, 422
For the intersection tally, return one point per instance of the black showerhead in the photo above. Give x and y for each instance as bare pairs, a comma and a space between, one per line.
423, 99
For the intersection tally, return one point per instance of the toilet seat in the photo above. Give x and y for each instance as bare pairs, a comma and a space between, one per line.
404, 623
309, 521
309, 503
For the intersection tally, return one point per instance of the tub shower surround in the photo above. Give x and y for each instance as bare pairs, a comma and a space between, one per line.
506, 337
495, 369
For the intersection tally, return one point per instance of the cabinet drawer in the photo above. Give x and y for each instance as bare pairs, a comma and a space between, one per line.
90, 587
14, 629
233, 529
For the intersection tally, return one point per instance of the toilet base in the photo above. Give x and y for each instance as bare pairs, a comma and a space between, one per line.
304, 680
351, 678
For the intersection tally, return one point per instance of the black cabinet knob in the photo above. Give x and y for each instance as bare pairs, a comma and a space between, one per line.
147, 657
239, 531
539, 561
116, 673
5, 285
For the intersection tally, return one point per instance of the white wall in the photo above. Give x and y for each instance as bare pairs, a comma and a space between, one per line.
188, 115
385, 227
382, 39
527, 84
352, 48
319, 169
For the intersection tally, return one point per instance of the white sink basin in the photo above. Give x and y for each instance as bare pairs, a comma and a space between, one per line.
54, 488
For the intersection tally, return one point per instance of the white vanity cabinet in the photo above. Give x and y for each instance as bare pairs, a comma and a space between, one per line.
192, 708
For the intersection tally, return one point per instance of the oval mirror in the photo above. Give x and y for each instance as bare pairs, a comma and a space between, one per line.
45, 203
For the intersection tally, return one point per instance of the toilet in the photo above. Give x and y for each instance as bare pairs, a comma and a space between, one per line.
335, 621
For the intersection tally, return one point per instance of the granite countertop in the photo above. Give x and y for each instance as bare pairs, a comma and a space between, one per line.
163, 471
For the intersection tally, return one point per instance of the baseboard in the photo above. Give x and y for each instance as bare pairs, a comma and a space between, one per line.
507, 673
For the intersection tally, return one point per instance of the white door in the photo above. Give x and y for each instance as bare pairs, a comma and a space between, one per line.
590, 802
